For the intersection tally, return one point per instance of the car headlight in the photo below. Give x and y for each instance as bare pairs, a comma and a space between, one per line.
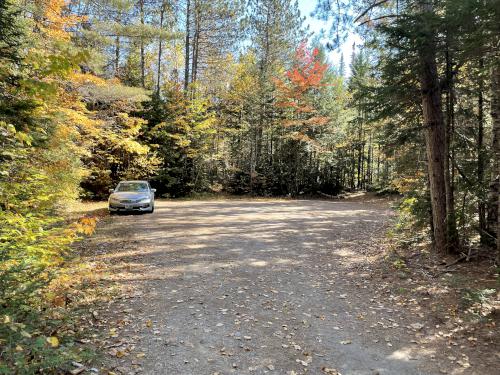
145, 200
114, 200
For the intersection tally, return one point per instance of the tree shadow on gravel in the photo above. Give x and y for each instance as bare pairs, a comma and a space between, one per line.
299, 261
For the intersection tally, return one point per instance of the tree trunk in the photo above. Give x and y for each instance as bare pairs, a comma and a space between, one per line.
117, 56
354, 168
187, 47
158, 73
196, 41
143, 74
453, 239
435, 132
360, 154
431, 216
378, 166
481, 160
263, 79
369, 162
494, 204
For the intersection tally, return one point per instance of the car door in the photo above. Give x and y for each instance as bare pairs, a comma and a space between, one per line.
151, 193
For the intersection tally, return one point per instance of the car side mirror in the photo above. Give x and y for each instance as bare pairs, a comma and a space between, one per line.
153, 190
111, 191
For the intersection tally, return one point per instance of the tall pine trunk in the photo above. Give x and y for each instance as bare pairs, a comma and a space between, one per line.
494, 203
187, 47
158, 72
378, 166
435, 130
264, 68
117, 56
453, 239
196, 41
360, 151
481, 159
143, 73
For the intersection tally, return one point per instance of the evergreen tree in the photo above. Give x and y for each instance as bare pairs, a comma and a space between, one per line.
342, 65
11, 36
447, 50
179, 130
275, 31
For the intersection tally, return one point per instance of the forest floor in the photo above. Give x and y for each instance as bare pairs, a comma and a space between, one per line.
268, 286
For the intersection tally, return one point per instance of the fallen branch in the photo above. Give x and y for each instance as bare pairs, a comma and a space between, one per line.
462, 257
482, 231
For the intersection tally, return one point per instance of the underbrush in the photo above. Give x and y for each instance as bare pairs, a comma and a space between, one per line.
43, 288
479, 303
466, 286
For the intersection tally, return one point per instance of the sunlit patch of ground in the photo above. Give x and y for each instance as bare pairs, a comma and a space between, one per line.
306, 282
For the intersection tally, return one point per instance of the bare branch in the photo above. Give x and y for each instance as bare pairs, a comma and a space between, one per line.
376, 4
379, 18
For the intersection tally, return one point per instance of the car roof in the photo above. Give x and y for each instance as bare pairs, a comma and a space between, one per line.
133, 181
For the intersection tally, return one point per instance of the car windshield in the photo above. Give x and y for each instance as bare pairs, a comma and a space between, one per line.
132, 186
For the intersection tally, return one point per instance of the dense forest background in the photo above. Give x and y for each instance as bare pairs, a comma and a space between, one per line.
237, 97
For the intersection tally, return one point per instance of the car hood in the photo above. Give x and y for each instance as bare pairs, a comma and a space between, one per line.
129, 195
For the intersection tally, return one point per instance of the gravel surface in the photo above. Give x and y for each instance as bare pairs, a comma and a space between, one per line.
256, 287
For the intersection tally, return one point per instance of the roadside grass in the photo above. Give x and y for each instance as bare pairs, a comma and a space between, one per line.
78, 209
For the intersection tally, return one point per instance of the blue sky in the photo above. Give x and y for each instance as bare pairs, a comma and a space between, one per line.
306, 7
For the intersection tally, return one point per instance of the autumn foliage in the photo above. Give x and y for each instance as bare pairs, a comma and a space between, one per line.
299, 90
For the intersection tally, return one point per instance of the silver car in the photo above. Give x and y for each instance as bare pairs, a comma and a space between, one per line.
132, 196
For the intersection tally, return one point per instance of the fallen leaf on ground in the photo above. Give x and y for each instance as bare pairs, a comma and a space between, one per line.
53, 341
417, 326
330, 371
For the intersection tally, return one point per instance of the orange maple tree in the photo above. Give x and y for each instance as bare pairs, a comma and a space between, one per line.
296, 93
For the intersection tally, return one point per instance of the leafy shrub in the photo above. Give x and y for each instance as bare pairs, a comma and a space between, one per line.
34, 246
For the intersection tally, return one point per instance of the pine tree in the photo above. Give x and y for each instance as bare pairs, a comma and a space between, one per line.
342, 65
14, 108
11, 35
275, 31
212, 33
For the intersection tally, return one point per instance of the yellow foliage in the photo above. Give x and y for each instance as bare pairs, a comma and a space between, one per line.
56, 21
86, 225
134, 147
53, 341
80, 79
80, 120
406, 184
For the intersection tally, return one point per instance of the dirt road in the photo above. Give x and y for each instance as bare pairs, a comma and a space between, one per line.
256, 287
